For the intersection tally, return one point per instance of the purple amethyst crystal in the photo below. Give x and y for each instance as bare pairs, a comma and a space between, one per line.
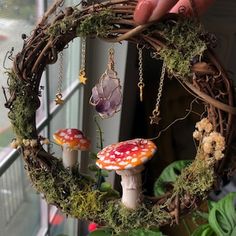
106, 95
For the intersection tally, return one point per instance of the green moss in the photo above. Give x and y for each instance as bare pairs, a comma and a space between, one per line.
197, 179
96, 24
121, 219
22, 114
60, 27
23, 107
184, 44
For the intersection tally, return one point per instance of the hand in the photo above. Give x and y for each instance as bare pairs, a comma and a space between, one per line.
150, 10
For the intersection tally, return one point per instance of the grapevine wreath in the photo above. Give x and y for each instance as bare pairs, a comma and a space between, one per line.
186, 51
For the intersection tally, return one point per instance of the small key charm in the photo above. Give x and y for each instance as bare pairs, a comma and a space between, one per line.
141, 86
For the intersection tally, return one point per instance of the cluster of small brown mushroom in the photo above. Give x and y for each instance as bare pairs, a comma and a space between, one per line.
211, 143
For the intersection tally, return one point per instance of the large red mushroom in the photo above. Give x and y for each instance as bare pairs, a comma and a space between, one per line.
127, 159
71, 141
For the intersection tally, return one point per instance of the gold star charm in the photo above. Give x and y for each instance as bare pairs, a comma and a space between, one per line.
155, 118
82, 78
58, 100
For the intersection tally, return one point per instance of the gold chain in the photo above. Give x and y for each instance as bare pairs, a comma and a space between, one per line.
58, 100
111, 60
140, 64
155, 118
82, 73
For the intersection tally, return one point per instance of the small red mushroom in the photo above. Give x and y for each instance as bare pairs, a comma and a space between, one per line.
127, 158
71, 141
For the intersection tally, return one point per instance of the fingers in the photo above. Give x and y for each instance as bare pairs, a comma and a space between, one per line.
161, 8
150, 10
201, 6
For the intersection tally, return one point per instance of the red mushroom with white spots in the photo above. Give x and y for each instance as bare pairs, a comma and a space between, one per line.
127, 159
71, 141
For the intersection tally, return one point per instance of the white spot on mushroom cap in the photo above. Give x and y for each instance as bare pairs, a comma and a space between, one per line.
101, 157
134, 160
107, 161
123, 163
111, 167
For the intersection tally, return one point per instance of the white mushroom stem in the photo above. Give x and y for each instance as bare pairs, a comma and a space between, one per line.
69, 157
131, 182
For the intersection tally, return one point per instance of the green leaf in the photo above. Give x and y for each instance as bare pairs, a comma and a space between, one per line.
93, 168
222, 217
100, 233
211, 204
104, 173
169, 175
204, 230
105, 187
145, 232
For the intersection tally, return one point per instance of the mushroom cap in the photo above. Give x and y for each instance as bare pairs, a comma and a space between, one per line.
126, 155
74, 139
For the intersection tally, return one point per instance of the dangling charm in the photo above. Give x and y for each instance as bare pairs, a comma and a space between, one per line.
140, 64
82, 74
155, 118
106, 95
58, 100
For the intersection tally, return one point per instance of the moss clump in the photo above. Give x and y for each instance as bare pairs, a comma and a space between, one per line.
61, 26
196, 179
96, 24
23, 107
121, 219
64, 188
184, 44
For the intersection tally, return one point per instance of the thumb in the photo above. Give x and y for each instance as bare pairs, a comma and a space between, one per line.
150, 10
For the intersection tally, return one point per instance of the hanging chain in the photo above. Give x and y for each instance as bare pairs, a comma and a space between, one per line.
82, 74
155, 118
111, 60
140, 68
58, 100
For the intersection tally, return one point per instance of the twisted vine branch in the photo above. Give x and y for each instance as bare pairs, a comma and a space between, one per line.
207, 80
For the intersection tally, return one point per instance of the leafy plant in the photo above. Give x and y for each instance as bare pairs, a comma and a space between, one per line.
222, 218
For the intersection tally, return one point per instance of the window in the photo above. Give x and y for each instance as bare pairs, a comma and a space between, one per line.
23, 211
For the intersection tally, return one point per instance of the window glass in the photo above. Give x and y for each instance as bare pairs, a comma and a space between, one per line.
22, 211
20, 204
17, 17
